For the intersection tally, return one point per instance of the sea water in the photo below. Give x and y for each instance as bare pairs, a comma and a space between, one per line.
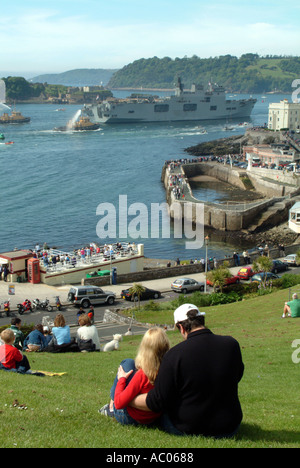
52, 182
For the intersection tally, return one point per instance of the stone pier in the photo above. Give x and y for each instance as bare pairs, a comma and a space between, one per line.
230, 216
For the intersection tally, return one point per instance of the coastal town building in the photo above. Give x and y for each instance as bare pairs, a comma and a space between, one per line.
37, 266
294, 218
265, 155
284, 115
17, 264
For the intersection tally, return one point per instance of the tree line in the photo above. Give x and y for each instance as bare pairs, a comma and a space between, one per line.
249, 74
19, 89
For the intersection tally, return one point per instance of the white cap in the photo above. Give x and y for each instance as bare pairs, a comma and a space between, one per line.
180, 313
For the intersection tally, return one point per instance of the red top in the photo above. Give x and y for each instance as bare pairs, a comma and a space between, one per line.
9, 355
125, 394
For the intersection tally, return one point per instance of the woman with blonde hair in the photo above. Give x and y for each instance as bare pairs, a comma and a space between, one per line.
136, 377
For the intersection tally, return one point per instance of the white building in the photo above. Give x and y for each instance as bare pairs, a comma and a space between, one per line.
294, 218
284, 114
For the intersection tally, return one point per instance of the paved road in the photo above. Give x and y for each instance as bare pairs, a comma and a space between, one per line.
27, 290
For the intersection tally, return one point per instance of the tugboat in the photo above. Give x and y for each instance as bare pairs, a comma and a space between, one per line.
15, 117
83, 123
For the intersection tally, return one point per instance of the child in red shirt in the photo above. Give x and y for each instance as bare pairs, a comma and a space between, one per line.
10, 357
136, 377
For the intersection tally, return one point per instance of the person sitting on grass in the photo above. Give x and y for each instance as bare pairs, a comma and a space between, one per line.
10, 357
196, 387
292, 308
16, 324
87, 333
35, 341
137, 377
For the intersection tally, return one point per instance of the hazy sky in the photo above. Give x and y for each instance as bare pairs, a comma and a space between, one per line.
39, 36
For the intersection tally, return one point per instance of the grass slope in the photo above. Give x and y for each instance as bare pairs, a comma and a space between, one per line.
62, 411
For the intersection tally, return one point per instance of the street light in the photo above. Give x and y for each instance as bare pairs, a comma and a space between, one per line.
206, 245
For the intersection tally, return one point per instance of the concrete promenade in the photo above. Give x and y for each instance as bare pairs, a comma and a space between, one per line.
42, 291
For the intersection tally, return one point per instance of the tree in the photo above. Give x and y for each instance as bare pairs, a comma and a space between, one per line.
263, 264
219, 275
137, 290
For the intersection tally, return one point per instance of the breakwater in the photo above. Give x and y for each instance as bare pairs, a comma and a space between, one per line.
232, 216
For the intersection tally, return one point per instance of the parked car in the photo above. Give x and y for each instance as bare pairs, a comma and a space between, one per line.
84, 296
259, 277
245, 272
278, 265
290, 260
231, 280
186, 285
146, 294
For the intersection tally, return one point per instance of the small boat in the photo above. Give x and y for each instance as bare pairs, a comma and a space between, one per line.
83, 123
2, 137
15, 117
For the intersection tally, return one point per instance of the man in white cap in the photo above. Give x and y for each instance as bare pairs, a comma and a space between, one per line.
197, 384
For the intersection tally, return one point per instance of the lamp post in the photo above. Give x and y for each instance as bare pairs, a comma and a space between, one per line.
206, 245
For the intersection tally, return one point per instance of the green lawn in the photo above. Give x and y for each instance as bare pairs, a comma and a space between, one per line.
62, 411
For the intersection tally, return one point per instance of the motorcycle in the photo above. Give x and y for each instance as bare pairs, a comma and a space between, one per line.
25, 307
44, 305
6, 306
58, 303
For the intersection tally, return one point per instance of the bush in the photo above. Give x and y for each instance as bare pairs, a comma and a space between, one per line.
152, 306
204, 300
223, 298
287, 280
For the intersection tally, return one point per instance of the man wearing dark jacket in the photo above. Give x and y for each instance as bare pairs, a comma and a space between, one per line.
197, 384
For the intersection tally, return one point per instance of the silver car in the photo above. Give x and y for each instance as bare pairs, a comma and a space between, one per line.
89, 294
185, 285
290, 260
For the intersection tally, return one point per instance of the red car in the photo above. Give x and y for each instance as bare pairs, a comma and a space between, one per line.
231, 280
245, 272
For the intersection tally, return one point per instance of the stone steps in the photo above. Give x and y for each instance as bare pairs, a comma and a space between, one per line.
269, 217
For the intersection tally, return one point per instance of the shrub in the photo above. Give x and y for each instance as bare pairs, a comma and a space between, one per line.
288, 280
222, 298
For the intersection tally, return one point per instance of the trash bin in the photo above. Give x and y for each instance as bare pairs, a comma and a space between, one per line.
114, 276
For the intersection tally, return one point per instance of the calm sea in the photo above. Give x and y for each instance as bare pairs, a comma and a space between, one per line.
53, 182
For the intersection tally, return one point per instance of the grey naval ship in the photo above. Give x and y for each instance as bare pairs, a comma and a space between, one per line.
186, 105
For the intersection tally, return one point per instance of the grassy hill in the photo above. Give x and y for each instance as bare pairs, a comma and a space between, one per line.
249, 74
62, 411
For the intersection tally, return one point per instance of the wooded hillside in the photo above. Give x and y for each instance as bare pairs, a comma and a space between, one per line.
249, 74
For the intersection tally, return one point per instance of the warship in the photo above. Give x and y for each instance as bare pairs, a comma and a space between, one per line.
186, 105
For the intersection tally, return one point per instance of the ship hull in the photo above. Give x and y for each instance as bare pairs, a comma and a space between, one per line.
172, 110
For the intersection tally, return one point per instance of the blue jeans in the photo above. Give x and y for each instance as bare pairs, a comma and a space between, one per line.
122, 415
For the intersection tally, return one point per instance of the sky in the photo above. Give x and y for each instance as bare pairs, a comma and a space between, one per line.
43, 36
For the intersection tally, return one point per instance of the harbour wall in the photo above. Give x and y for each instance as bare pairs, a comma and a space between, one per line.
230, 216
